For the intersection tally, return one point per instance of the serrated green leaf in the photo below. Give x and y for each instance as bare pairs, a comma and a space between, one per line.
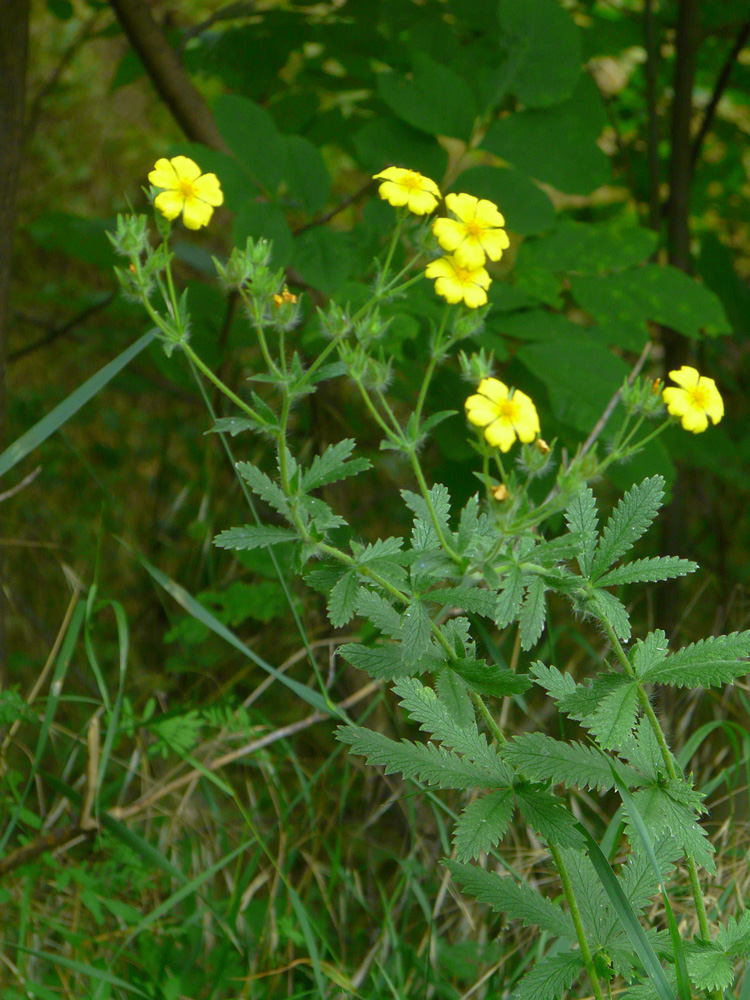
380, 662
342, 601
630, 519
615, 717
547, 815
581, 518
232, 425
424, 535
383, 548
660, 811
377, 610
509, 599
649, 653
263, 486
424, 761
607, 607
542, 758
649, 570
253, 536
483, 824
422, 705
517, 899
477, 600
452, 693
533, 612
734, 937
416, 631
559, 685
332, 466
490, 679
550, 978
709, 968
707, 663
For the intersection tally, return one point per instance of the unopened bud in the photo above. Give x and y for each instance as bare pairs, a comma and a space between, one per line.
541, 446
501, 492
657, 386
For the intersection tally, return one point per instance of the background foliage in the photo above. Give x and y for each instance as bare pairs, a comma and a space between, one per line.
289, 870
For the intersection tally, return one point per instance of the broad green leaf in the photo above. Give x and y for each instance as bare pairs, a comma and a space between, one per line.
262, 218
590, 248
251, 134
306, 177
253, 536
61, 413
323, 258
483, 824
387, 140
544, 50
517, 899
557, 145
527, 209
432, 98
84, 239
580, 373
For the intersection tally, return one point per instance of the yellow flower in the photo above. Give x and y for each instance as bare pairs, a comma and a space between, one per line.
503, 414
477, 233
186, 190
407, 187
696, 400
456, 283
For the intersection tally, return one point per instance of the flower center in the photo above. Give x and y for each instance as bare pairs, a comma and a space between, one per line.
463, 275
507, 410
187, 190
699, 397
474, 229
412, 180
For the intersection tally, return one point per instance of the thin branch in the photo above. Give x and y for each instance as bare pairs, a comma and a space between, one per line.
609, 408
345, 203
58, 331
722, 81
232, 12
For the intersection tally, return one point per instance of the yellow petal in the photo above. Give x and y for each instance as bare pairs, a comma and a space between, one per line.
462, 205
185, 168
450, 289
494, 242
422, 202
501, 434
169, 203
196, 213
163, 175
439, 268
677, 400
480, 411
694, 420
208, 189
493, 389
471, 255
686, 376
393, 193
448, 233
474, 296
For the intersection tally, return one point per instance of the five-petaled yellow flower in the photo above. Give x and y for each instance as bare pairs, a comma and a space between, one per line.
186, 190
696, 400
476, 234
408, 187
504, 415
457, 283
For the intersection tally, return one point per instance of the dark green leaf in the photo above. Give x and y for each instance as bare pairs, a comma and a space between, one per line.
544, 50
306, 176
527, 209
251, 134
432, 98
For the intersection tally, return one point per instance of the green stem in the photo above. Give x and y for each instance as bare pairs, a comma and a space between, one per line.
488, 717
221, 386
575, 914
430, 370
695, 886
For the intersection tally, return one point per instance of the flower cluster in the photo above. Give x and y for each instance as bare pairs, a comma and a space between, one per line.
473, 236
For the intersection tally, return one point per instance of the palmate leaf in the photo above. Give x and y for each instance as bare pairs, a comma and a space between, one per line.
542, 758
582, 700
483, 824
517, 899
332, 466
453, 694
424, 707
581, 518
424, 761
630, 519
650, 570
707, 663
550, 978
